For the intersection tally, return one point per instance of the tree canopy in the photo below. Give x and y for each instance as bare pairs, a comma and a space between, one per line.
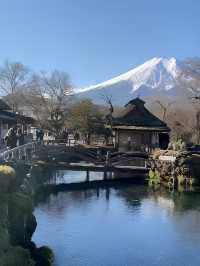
86, 117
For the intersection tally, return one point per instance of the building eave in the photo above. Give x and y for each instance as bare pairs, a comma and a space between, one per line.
140, 128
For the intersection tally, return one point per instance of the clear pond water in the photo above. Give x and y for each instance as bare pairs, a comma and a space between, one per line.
127, 226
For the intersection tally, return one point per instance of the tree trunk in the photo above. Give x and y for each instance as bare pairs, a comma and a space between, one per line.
88, 139
198, 126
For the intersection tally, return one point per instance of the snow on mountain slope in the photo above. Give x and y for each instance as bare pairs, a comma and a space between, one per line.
158, 75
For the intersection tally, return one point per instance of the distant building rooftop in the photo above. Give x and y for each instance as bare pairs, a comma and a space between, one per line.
136, 115
4, 105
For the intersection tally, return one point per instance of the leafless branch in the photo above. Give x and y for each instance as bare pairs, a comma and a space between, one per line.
164, 108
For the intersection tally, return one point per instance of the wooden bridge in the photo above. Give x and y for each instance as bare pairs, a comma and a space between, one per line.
61, 157
25, 152
79, 158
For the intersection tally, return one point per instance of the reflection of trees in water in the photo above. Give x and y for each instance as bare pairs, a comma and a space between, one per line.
55, 175
182, 209
186, 216
187, 201
178, 202
187, 224
59, 202
67, 176
133, 195
183, 212
58, 175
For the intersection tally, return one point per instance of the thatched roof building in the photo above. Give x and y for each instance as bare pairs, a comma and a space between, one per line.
138, 129
4, 105
9, 119
6, 114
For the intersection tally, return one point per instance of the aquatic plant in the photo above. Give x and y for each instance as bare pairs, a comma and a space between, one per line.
154, 177
192, 181
180, 179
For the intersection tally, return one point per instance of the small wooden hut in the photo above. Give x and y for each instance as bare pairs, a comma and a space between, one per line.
137, 129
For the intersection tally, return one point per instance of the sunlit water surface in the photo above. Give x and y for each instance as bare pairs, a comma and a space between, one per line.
129, 226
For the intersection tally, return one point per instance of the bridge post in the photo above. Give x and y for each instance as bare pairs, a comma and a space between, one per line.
145, 163
105, 175
87, 176
17, 154
24, 154
28, 154
107, 193
20, 154
97, 190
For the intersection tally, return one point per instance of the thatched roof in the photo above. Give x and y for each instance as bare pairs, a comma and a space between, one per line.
4, 105
7, 116
136, 115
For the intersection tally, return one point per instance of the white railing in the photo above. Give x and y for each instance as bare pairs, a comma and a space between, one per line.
23, 152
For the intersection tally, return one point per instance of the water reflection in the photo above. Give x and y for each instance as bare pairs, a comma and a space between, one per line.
125, 226
68, 176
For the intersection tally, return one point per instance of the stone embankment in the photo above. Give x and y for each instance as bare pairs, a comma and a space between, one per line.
175, 167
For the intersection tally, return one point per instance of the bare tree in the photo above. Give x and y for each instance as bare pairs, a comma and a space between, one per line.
14, 77
109, 117
181, 124
47, 96
164, 108
190, 78
108, 101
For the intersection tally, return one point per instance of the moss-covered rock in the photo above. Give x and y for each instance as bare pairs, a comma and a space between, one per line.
22, 223
16, 256
4, 235
17, 222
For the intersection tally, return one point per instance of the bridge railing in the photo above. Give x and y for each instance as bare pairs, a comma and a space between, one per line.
23, 152
70, 142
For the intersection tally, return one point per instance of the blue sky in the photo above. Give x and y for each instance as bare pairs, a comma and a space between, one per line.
97, 40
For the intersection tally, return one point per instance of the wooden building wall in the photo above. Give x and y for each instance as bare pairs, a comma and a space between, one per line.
135, 140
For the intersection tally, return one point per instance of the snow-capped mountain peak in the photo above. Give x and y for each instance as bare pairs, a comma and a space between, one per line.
150, 73
156, 75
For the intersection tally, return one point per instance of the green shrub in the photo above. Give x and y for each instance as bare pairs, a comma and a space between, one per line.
7, 175
45, 256
177, 145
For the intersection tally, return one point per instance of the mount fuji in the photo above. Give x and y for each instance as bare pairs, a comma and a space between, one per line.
156, 77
